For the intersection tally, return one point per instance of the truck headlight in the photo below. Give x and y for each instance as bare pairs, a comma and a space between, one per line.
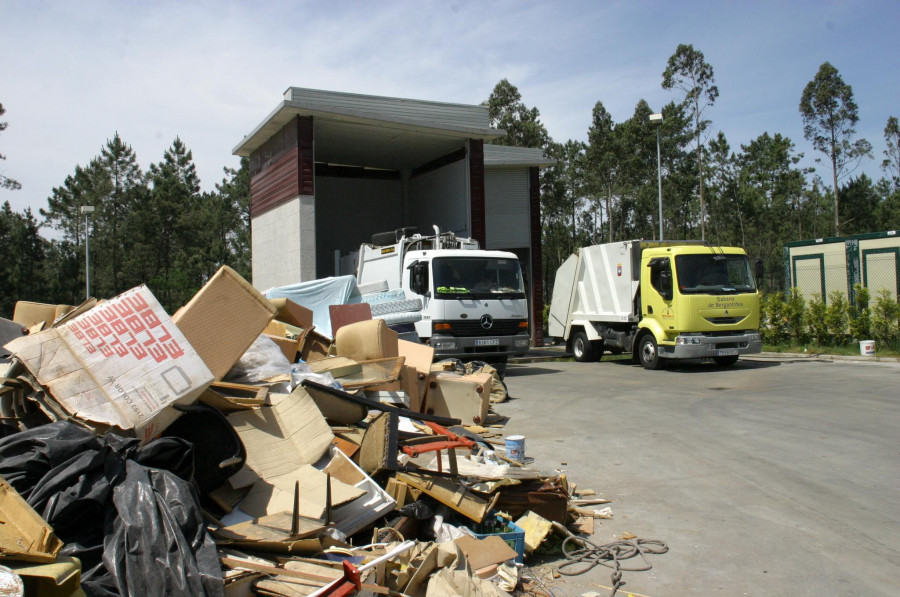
686, 340
523, 342
444, 344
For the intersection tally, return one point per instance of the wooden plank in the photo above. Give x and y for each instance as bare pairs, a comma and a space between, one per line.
450, 493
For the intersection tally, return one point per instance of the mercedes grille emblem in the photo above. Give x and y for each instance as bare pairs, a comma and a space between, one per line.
487, 322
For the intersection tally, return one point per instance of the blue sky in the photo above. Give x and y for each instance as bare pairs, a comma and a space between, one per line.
75, 73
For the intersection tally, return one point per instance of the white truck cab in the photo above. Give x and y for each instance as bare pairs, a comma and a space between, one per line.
474, 304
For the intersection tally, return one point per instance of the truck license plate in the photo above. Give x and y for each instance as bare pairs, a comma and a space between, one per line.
727, 352
488, 342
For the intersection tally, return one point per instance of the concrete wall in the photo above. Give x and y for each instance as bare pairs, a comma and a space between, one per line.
349, 211
283, 244
441, 197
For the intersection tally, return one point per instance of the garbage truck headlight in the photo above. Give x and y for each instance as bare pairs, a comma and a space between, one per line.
444, 344
522, 342
685, 340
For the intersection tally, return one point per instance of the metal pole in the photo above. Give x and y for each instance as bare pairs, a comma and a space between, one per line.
659, 179
87, 256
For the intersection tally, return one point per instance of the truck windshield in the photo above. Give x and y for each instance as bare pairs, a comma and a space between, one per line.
714, 274
477, 277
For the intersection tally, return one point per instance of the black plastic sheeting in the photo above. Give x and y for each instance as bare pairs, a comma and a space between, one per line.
128, 512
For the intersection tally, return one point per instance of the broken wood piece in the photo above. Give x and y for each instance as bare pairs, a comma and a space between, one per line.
450, 493
378, 451
318, 579
588, 501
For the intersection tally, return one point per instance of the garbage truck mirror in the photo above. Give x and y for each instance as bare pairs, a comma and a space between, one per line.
418, 277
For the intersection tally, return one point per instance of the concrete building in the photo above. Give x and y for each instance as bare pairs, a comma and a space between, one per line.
330, 169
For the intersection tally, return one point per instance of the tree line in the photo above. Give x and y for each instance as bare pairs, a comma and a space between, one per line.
157, 227
154, 227
756, 196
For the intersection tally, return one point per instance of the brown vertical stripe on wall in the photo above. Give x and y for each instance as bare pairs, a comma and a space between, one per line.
476, 188
537, 273
306, 155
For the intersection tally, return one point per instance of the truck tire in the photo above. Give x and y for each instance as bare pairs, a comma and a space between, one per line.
726, 361
648, 352
583, 349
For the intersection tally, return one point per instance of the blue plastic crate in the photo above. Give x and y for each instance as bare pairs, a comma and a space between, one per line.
514, 536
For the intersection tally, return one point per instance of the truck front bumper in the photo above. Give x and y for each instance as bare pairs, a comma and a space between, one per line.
701, 347
481, 348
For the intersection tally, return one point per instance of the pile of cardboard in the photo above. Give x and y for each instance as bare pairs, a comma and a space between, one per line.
352, 440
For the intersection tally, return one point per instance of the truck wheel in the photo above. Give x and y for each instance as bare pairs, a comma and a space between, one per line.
726, 361
648, 352
582, 348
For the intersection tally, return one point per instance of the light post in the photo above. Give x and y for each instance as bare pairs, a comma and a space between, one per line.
86, 211
656, 121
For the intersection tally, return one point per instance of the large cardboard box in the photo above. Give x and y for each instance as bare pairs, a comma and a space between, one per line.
292, 313
223, 319
119, 364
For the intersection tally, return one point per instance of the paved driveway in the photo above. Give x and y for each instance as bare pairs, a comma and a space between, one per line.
773, 477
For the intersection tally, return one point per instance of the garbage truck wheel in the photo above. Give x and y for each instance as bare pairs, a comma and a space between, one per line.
583, 349
648, 352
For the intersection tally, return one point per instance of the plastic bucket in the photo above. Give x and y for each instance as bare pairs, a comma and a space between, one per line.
515, 447
867, 348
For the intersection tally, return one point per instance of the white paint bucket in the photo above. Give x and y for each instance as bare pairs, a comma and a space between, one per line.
515, 447
867, 348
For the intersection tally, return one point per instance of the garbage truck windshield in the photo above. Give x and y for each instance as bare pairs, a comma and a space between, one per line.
714, 274
477, 277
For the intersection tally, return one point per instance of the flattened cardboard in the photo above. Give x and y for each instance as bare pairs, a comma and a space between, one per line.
290, 312
24, 535
223, 319
276, 494
288, 346
120, 364
280, 438
337, 366
484, 552
315, 346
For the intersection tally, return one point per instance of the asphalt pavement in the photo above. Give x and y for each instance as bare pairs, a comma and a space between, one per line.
777, 476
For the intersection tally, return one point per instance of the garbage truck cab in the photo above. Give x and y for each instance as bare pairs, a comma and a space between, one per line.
658, 300
474, 305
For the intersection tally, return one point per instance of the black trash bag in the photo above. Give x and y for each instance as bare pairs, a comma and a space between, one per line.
159, 544
70, 476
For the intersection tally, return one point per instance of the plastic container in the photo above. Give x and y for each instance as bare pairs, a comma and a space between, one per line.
510, 532
867, 348
515, 447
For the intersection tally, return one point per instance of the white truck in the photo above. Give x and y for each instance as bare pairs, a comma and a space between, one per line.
473, 301
658, 300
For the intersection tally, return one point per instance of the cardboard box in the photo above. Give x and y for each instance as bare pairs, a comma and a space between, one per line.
24, 535
30, 314
223, 319
292, 313
120, 364
288, 347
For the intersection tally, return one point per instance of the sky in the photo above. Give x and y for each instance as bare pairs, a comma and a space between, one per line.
72, 74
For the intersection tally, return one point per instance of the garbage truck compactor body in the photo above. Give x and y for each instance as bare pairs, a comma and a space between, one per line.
473, 301
658, 300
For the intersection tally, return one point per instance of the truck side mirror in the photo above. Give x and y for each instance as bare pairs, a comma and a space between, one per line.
760, 272
418, 277
665, 283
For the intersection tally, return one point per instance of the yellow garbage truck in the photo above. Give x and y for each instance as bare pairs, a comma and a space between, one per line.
658, 300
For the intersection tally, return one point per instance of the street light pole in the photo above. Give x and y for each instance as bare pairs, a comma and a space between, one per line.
86, 211
656, 120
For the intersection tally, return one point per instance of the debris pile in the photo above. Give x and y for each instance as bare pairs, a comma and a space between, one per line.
256, 445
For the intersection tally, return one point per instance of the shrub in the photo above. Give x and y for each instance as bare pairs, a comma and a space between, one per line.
859, 315
773, 325
795, 316
816, 318
886, 320
836, 318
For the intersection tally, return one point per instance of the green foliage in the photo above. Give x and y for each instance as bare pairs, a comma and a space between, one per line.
836, 318
6, 182
858, 314
818, 329
829, 117
795, 316
886, 320
522, 124
773, 326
